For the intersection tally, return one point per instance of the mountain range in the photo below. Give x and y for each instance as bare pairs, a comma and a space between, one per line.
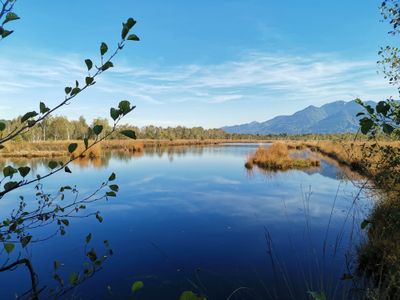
334, 117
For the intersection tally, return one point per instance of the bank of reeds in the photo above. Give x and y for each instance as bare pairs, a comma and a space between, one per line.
90, 153
277, 157
59, 148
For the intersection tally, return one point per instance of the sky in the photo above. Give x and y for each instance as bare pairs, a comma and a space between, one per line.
205, 63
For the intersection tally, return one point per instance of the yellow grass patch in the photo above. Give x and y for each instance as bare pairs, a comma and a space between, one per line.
277, 157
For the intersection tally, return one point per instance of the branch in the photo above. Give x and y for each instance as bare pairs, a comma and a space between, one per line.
34, 282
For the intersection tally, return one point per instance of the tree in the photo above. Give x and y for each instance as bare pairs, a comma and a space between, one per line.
80, 128
386, 115
17, 232
379, 256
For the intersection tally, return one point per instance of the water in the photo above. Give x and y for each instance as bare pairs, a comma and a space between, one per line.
193, 218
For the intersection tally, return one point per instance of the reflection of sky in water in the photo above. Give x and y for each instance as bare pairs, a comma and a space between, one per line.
198, 207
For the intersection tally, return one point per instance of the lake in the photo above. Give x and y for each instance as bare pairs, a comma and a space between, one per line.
193, 218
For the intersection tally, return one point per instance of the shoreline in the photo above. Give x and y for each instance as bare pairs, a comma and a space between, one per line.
53, 149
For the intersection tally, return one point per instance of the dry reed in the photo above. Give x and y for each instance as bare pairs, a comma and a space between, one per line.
277, 157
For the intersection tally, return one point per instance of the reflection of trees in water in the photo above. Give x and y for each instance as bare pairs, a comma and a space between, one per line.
103, 161
171, 152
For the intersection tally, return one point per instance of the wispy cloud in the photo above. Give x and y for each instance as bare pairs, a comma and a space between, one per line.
254, 78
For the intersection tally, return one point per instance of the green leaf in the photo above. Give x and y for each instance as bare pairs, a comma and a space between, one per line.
89, 64
43, 108
11, 16
75, 91
114, 113
97, 129
6, 33
53, 164
124, 106
128, 133
133, 37
111, 194
107, 65
65, 222
99, 218
72, 147
388, 129
73, 278
382, 107
125, 31
89, 80
9, 247
2, 126
67, 169
130, 23
88, 238
114, 187
92, 255
68, 90
9, 171
103, 48
366, 125
112, 177
28, 115
25, 240
23, 171
10, 185
137, 285
56, 265
317, 295
189, 295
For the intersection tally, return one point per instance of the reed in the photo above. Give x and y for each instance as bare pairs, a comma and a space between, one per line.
91, 153
277, 157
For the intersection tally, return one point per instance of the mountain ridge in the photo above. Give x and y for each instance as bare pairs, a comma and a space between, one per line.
334, 117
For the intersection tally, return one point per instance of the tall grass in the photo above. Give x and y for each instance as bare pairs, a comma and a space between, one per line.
277, 157
91, 153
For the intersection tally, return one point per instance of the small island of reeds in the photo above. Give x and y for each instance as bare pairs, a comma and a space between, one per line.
277, 157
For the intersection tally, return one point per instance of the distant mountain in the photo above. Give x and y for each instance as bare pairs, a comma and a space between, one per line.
335, 117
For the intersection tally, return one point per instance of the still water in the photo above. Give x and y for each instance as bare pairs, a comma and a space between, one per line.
193, 218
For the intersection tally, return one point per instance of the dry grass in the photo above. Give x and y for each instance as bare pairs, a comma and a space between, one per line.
355, 154
277, 157
123, 145
92, 152
31, 150
59, 148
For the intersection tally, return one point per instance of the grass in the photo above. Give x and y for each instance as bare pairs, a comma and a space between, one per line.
277, 157
379, 255
91, 153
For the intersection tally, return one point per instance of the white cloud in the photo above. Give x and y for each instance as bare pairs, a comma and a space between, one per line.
255, 78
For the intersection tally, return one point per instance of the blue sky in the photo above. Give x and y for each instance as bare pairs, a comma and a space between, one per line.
209, 63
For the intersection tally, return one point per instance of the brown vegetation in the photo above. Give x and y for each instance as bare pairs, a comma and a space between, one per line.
277, 157
59, 148
90, 153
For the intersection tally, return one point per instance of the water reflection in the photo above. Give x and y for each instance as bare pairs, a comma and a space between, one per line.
191, 218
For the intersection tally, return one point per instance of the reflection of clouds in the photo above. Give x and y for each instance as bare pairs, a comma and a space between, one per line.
214, 183
144, 180
275, 206
223, 180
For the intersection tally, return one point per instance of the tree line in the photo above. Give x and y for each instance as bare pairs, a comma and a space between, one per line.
56, 128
